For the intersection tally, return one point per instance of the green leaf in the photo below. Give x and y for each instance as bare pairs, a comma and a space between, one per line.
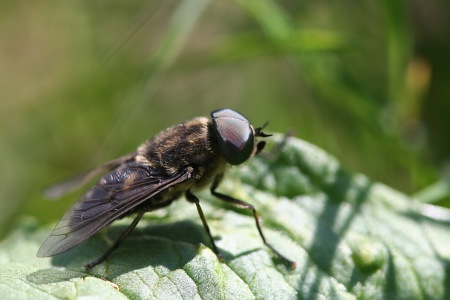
351, 238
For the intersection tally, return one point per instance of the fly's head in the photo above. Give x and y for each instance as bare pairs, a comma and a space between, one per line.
236, 136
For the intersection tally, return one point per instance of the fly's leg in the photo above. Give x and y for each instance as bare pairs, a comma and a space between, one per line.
242, 204
116, 244
193, 199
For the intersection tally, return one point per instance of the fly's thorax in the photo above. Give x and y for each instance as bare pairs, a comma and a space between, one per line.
190, 144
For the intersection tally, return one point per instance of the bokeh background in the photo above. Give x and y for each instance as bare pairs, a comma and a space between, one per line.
83, 82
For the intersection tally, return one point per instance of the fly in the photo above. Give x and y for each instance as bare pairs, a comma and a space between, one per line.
181, 160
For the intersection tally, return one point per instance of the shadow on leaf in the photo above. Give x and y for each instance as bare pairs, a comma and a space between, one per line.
329, 232
46, 276
170, 245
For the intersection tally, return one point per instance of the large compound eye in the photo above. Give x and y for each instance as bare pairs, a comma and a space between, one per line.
235, 135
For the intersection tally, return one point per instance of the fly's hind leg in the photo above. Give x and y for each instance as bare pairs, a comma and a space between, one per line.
116, 244
242, 204
130, 228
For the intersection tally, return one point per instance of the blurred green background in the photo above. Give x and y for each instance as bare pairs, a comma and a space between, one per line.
83, 82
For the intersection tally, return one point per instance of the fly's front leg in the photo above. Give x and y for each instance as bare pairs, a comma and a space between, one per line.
193, 199
273, 153
242, 204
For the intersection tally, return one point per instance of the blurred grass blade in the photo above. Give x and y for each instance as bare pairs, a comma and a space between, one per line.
324, 74
274, 22
398, 46
435, 192
252, 45
180, 27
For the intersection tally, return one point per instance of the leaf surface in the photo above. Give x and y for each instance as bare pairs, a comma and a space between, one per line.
351, 238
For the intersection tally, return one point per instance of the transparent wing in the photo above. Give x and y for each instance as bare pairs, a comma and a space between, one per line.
115, 194
61, 188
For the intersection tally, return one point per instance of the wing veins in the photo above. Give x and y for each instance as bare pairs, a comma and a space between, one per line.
65, 235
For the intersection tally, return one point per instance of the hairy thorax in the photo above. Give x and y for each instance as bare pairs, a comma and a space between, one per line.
190, 144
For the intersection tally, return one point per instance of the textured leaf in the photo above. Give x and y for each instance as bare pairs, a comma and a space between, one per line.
351, 238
